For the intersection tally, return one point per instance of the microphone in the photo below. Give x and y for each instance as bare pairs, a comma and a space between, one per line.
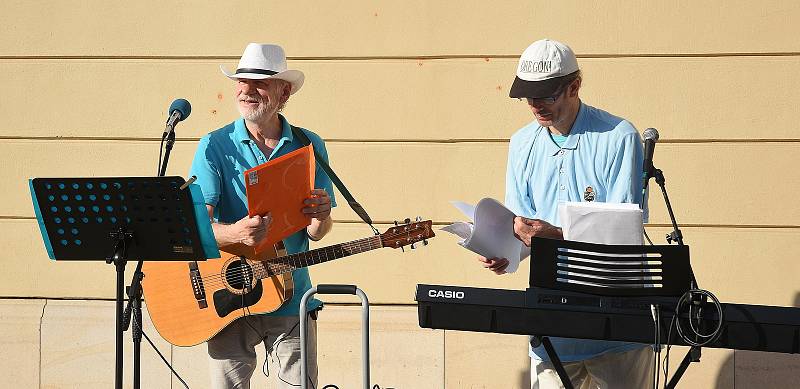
650, 139
178, 110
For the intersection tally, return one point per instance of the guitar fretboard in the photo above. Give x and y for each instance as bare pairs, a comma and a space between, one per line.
288, 263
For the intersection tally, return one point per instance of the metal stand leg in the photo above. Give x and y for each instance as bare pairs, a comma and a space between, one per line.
118, 365
137, 343
133, 316
692, 356
551, 352
119, 258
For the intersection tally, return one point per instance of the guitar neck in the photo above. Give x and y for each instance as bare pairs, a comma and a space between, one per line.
288, 263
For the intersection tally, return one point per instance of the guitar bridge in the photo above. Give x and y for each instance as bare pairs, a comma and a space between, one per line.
197, 285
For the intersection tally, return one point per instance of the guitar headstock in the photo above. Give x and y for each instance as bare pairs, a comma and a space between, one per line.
408, 233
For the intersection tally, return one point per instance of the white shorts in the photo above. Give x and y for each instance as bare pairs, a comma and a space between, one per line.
630, 369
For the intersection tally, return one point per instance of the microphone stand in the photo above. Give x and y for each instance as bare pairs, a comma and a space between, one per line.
693, 355
133, 311
676, 233
122, 239
170, 141
133, 317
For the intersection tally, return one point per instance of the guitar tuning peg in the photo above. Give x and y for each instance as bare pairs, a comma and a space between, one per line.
402, 250
413, 246
407, 221
424, 242
419, 218
395, 222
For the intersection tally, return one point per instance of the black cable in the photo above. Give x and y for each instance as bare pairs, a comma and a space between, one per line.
669, 346
658, 344
656, 312
265, 369
165, 360
246, 285
647, 236
278, 357
655, 342
137, 326
692, 315
245, 315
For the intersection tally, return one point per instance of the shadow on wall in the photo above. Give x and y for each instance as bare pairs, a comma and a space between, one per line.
525, 377
754, 369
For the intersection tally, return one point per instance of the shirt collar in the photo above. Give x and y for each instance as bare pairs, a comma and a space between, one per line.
241, 134
578, 128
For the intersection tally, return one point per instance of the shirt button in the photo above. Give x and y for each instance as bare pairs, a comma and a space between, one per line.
561, 187
561, 170
560, 152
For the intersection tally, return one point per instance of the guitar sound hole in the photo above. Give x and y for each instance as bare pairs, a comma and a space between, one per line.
239, 275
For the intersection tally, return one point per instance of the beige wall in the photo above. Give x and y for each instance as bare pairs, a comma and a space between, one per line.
412, 99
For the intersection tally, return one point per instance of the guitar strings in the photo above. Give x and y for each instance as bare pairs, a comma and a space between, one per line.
216, 279
241, 274
283, 265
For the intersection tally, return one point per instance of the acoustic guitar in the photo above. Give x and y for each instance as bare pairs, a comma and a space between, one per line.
190, 302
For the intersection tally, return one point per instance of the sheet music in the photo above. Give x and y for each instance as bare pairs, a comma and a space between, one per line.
605, 223
491, 232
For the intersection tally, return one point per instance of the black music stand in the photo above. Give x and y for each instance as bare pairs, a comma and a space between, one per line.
114, 219
605, 270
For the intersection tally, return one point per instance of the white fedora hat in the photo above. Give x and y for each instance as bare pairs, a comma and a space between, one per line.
261, 61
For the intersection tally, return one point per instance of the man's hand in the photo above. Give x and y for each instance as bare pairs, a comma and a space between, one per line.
497, 265
318, 206
251, 230
525, 229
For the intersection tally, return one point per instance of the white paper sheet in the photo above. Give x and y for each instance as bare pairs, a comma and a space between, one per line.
605, 223
491, 233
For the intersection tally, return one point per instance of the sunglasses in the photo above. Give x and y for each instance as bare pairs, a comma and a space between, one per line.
549, 100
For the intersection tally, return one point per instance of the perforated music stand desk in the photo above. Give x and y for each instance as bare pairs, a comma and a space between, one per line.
114, 219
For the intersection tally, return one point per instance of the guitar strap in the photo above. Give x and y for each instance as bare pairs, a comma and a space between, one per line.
359, 210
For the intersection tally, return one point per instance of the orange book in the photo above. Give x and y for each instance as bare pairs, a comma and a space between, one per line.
279, 187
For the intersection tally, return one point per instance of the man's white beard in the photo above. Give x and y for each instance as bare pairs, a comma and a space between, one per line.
256, 114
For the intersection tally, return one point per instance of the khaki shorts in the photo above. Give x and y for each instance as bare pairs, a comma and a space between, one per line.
232, 355
630, 369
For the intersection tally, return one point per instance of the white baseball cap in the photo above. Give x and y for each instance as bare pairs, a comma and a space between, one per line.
261, 61
542, 68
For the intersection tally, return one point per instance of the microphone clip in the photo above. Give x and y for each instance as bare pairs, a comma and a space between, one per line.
169, 129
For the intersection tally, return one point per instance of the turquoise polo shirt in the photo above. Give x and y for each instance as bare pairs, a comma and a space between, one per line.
601, 158
219, 164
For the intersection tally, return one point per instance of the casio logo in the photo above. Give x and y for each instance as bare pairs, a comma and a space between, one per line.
448, 294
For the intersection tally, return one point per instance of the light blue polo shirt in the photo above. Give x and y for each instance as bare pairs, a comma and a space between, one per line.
219, 164
602, 152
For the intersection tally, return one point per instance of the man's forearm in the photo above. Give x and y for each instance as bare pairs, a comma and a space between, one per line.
222, 234
318, 229
227, 241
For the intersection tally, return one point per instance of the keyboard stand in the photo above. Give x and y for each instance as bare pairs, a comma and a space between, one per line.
551, 352
693, 355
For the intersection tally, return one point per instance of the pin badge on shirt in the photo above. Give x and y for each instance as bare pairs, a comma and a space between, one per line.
588, 194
